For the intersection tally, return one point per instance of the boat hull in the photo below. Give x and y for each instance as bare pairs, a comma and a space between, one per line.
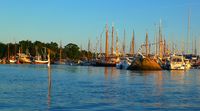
40, 62
144, 64
101, 64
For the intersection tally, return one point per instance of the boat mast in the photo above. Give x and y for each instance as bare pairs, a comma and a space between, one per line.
117, 45
96, 46
132, 44
60, 51
101, 45
107, 45
112, 48
130, 47
8, 51
156, 42
195, 51
160, 41
89, 45
37, 54
124, 43
147, 44
88, 54
165, 47
15, 50
188, 34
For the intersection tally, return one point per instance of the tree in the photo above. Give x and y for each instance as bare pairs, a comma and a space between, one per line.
53, 46
72, 51
2, 50
27, 47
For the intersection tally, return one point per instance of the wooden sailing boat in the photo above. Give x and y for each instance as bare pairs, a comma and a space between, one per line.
38, 59
142, 62
107, 61
24, 58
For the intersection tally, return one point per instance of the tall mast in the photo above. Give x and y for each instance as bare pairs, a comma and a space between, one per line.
89, 45
96, 46
15, 51
130, 47
117, 45
107, 45
132, 44
124, 43
101, 44
195, 51
36, 52
147, 45
60, 51
156, 42
188, 34
192, 39
165, 47
112, 48
8, 51
81, 47
160, 41
182, 46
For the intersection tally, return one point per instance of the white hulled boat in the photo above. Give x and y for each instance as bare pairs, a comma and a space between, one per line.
176, 62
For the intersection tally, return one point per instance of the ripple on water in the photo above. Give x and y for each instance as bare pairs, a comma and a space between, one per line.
27, 87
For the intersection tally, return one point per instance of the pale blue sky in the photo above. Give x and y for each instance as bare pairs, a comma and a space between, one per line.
77, 20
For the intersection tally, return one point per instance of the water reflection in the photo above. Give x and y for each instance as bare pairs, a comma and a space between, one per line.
178, 75
114, 73
49, 87
106, 72
110, 71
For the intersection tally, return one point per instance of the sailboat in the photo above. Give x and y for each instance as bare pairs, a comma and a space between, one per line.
12, 60
38, 59
107, 60
176, 62
24, 58
142, 62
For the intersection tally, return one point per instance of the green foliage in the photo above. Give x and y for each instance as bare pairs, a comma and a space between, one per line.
72, 51
53, 46
2, 50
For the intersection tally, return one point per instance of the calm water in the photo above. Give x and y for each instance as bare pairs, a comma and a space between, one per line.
34, 87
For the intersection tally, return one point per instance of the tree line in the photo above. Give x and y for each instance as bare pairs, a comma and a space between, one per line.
70, 51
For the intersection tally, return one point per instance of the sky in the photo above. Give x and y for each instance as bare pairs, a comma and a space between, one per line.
77, 21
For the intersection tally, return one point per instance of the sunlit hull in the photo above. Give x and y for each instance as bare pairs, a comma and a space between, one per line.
41, 62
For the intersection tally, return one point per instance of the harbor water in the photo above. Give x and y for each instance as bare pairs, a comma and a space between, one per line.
61, 87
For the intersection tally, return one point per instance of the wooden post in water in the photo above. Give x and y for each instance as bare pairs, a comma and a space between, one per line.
49, 59
49, 86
